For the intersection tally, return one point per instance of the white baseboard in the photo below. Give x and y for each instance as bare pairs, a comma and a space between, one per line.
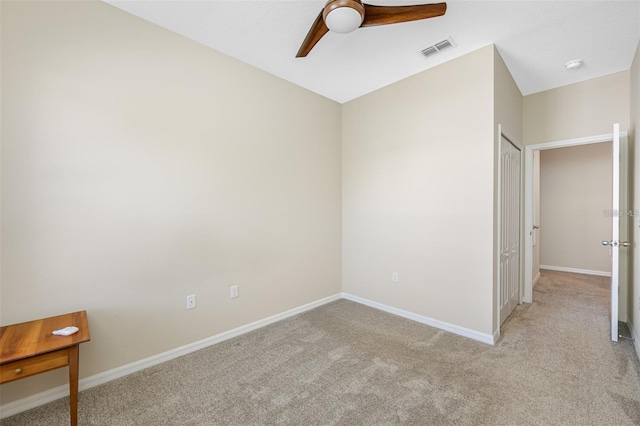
33, 401
535, 280
634, 336
472, 334
496, 336
576, 271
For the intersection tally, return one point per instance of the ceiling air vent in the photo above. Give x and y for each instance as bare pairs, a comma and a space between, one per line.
438, 47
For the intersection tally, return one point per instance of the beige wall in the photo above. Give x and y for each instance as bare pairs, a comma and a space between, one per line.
139, 167
418, 182
579, 110
575, 189
634, 294
508, 102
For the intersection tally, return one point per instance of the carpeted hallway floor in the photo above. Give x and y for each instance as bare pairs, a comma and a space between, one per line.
347, 364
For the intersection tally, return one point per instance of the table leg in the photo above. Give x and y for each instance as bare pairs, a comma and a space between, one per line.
73, 383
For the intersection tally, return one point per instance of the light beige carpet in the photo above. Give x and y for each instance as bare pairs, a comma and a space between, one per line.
347, 364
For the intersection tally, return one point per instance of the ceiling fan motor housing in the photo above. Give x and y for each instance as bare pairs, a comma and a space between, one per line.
344, 19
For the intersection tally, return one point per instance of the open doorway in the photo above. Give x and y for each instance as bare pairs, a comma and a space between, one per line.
574, 206
619, 260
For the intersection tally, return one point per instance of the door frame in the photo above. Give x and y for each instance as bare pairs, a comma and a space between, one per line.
527, 293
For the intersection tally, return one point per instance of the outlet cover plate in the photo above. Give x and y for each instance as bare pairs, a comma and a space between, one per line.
191, 301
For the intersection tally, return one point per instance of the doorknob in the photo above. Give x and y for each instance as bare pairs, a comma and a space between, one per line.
615, 243
536, 227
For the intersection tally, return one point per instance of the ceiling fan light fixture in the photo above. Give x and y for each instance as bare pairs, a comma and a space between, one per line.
573, 65
343, 16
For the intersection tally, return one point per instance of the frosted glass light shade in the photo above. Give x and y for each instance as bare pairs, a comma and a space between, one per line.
343, 20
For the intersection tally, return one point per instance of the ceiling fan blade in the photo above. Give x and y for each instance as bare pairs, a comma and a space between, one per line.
382, 15
318, 29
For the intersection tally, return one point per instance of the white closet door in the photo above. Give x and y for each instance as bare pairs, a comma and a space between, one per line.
510, 163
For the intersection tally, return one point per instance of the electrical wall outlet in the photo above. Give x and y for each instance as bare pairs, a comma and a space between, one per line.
394, 277
191, 301
233, 291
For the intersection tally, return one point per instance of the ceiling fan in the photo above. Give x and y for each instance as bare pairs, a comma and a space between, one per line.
344, 16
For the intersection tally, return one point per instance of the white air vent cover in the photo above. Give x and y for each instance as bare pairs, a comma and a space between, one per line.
438, 47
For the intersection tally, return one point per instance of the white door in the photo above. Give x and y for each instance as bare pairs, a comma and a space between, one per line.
619, 229
509, 228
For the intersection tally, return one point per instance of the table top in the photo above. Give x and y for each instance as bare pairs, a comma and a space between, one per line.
24, 340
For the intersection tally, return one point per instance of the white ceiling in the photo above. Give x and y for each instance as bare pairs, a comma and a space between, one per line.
535, 38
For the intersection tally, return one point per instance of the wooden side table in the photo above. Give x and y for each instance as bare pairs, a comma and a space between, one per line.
29, 348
